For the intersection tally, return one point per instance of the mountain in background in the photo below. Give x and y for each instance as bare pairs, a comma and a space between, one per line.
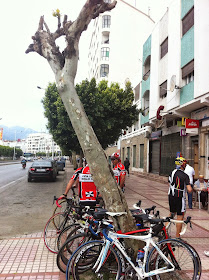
15, 132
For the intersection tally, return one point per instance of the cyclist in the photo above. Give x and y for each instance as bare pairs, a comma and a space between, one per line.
119, 170
178, 183
87, 189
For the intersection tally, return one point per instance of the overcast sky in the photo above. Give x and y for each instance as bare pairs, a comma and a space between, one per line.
20, 100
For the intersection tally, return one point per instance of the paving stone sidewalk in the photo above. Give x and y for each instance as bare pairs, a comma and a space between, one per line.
26, 257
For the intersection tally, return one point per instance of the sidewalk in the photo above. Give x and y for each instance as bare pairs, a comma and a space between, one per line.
26, 257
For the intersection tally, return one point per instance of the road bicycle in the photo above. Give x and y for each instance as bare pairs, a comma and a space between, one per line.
60, 225
106, 259
87, 233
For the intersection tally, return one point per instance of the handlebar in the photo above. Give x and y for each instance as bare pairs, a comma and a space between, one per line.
58, 205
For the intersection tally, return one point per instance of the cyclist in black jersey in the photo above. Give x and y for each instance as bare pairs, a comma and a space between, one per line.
178, 184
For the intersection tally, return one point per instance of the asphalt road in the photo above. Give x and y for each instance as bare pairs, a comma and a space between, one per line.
25, 206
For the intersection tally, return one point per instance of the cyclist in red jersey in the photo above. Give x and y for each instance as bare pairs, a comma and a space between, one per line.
87, 188
119, 170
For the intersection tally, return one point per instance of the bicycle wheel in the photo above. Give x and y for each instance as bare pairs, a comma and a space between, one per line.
197, 257
51, 232
69, 247
83, 260
63, 204
67, 233
179, 254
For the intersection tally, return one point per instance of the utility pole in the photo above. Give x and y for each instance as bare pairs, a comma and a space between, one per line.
14, 146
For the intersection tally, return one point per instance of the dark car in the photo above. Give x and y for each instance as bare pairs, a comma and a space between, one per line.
60, 165
43, 169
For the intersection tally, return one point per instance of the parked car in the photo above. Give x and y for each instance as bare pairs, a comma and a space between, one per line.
43, 169
60, 165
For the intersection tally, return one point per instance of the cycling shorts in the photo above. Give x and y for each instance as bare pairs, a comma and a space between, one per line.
177, 205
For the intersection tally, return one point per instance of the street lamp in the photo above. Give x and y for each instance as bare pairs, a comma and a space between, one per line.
14, 147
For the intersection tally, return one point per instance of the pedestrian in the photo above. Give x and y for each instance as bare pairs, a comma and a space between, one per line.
189, 170
178, 183
127, 164
87, 189
119, 170
201, 185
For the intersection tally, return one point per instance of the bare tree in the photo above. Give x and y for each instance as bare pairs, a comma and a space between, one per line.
64, 66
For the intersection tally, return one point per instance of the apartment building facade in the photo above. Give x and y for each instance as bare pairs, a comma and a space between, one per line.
41, 142
116, 44
174, 92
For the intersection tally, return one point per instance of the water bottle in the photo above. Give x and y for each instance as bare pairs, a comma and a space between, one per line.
140, 256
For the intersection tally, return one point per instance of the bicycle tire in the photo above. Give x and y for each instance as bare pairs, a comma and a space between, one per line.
69, 247
63, 203
67, 233
197, 257
84, 258
51, 232
179, 254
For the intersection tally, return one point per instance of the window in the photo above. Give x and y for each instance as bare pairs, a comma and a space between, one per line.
134, 155
187, 69
164, 48
128, 152
188, 21
146, 68
188, 72
136, 92
141, 163
104, 70
163, 90
106, 20
105, 53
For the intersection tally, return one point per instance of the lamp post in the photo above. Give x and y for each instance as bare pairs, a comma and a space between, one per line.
14, 147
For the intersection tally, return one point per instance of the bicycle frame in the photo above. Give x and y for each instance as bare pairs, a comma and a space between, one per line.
113, 240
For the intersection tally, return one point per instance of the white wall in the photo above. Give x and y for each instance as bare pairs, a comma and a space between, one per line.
174, 53
163, 69
201, 47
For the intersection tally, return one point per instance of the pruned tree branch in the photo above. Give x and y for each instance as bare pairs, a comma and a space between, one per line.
44, 42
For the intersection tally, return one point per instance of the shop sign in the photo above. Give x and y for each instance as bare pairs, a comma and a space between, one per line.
205, 123
183, 121
183, 132
200, 114
192, 131
190, 123
156, 134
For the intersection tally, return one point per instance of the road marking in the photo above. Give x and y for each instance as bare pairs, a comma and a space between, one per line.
11, 183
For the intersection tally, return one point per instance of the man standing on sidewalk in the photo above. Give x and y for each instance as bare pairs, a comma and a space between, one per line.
127, 164
189, 170
178, 183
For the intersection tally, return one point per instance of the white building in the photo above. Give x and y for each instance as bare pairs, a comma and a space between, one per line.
117, 43
41, 142
174, 86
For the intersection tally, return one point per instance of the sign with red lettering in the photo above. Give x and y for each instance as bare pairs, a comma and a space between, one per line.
190, 123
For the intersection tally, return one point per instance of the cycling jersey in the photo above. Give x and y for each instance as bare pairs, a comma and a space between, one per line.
87, 188
178, 181
118, 171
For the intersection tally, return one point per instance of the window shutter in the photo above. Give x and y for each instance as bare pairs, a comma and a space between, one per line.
163, 89
188, 21
164, 48
187, 69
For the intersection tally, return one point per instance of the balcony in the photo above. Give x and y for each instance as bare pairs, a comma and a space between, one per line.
144, 119
145, 86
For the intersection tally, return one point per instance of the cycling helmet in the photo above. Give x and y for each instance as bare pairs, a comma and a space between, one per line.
115, 156
180, 161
